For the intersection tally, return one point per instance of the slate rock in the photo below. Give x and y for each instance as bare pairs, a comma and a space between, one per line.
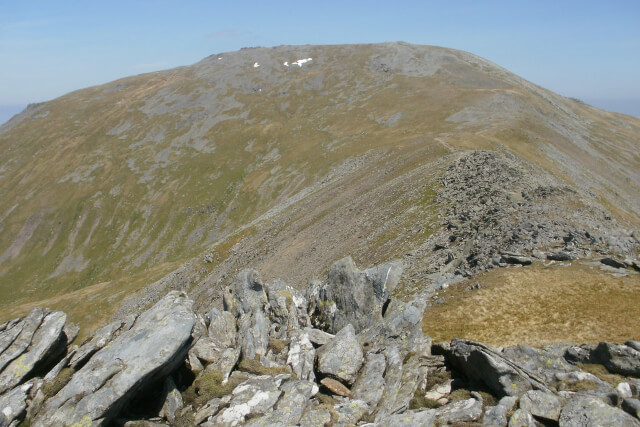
369, 386
424, 418
98, 340
355, 297
253, 334
633, 344
13, 404
342, 356
222, 328
350, 411
172, 400
291, 406
619, 359
301, 356
316, 417
152, 348
16, 344
254, 397
462, 411
541, 404
544, 362
591, 411
631, 406
496, 416
522, 418
246, 294
317, 336
482, 363
47, 343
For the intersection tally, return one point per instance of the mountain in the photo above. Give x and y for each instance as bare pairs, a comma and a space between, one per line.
286, 159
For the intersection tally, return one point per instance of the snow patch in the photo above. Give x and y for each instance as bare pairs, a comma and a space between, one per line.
299, 62
286, 63
256, 65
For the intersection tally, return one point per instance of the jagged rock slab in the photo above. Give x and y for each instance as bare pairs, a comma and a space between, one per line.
301, 356
18, 344
370, 384
541, 404
291, 406
591, 411
502, 376
47, 342
355, 297
13, 404
462, 411
255, 396
342, 356
619, 359
154, 346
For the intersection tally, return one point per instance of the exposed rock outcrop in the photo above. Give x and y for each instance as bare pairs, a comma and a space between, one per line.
258, 362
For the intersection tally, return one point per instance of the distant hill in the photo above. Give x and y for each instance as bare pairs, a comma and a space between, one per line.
286, 159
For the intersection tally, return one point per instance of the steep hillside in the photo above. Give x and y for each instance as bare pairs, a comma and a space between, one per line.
286, 159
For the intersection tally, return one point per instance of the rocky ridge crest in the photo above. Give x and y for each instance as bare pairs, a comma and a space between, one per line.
343, 352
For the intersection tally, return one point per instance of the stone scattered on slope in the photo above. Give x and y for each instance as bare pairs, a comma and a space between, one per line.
153, 347
522, 418
342, 356
619, 359
496, 416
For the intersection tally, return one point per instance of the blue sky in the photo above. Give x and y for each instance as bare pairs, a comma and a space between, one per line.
584, 49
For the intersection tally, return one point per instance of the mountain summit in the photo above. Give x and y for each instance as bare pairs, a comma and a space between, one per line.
288, 158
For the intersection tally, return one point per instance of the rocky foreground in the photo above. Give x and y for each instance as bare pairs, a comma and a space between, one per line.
342, 353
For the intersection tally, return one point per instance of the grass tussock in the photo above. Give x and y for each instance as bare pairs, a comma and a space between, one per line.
257, 368
208, 385
539, 305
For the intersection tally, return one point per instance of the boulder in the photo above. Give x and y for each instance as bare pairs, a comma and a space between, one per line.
316, 417
350, 412
336, 387
462, 411
370, 384
496, 416
591, 411
172, 401
355, 297
541, 404
619, 359
222, 328
152, 348
292, 404
317, 336
17, 339
425, 418
98, 340
545, 363
301, 355
480, 362
631, 406
246, 294
13, 404
342, 356
252, 398
46, 344
522, 418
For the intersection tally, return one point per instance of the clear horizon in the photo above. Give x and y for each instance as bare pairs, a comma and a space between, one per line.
583, 50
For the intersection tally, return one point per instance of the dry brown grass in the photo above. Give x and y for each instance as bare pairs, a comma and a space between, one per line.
539, 305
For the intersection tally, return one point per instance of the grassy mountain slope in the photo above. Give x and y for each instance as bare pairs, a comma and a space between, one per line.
258, 160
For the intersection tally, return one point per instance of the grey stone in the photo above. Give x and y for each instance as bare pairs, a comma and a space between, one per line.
424, 418
624, 391
496, 416
631, 406
222, 328
254, 397
502, 376
355, 297
172, 400
317, 336
291, 406
619, 359
350, 411
246, 294
301, 356
47, 343
209, 409
342, 357
99, 339
591, 411
18, 344
633, 344
369, 386
541, 404
287, 306
153, 347
522, 418
13, 404
461, 411
253, 335
545, 363
316, 417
